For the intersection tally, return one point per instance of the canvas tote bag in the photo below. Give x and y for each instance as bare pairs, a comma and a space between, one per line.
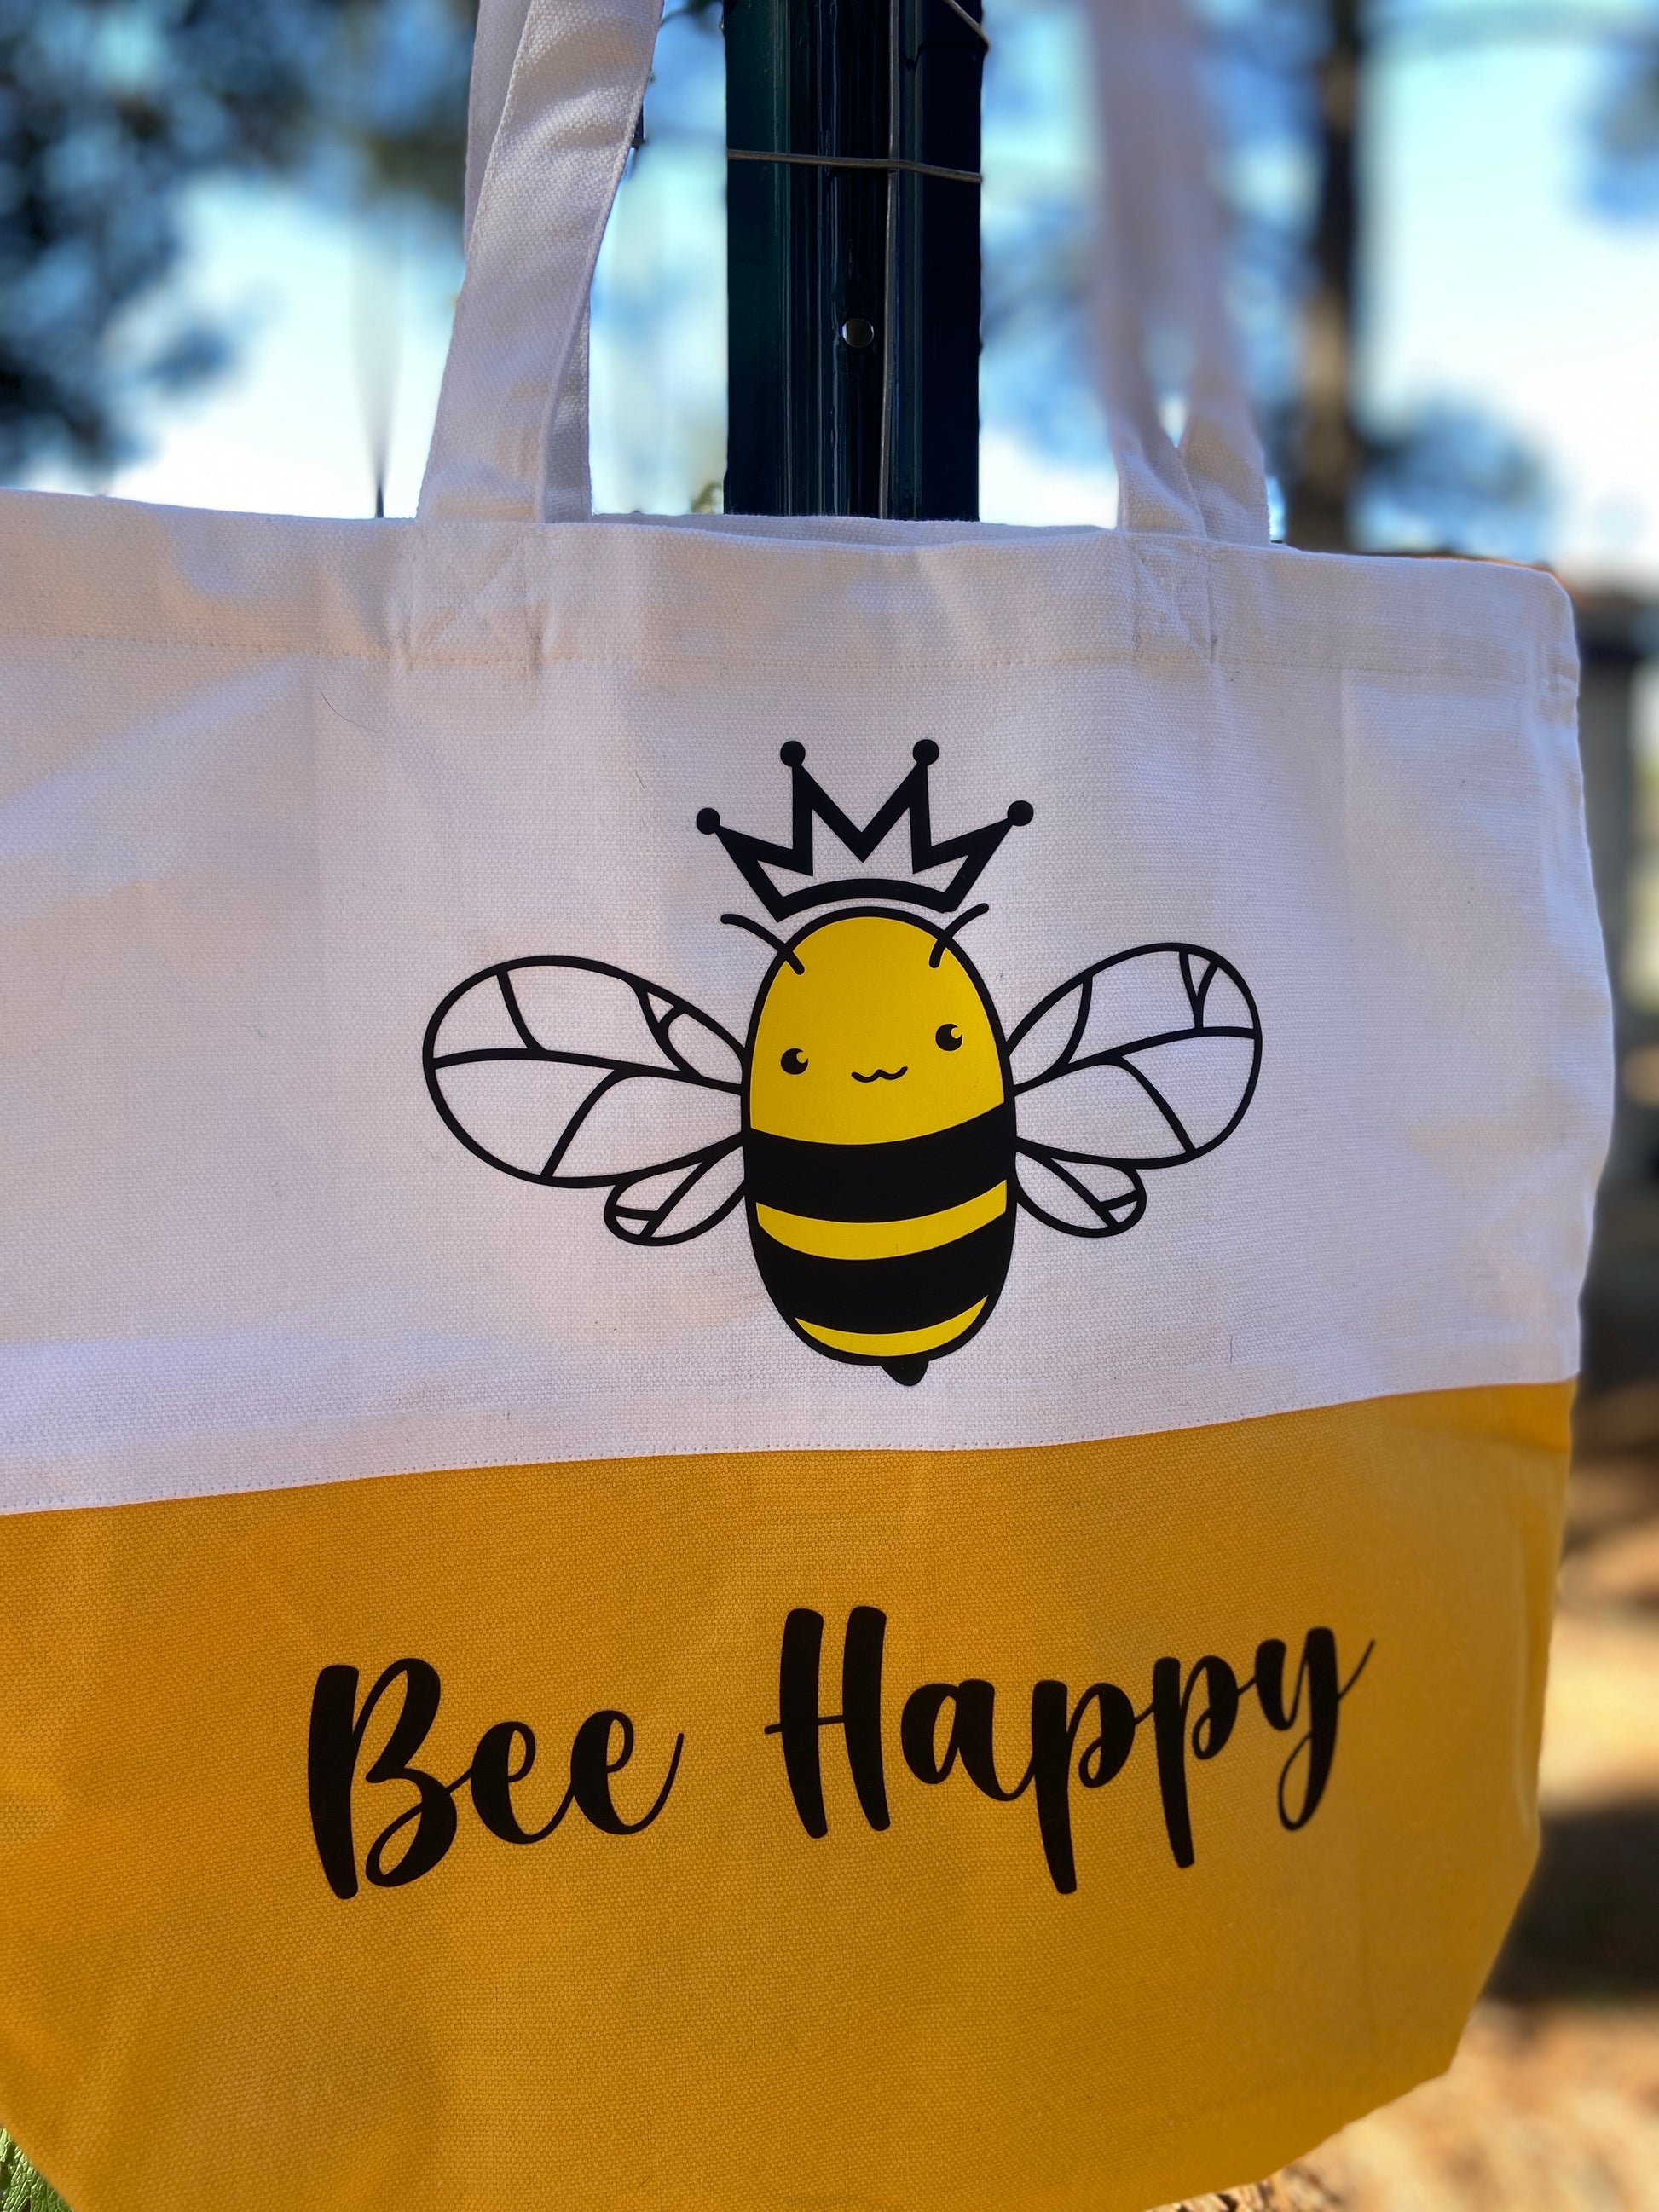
789, 1307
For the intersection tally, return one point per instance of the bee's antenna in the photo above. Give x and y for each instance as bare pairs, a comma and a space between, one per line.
944, 935
742, 921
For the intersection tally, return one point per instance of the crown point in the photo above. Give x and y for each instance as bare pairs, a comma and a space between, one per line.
708, 821
926, 752
1021, 812
792, 754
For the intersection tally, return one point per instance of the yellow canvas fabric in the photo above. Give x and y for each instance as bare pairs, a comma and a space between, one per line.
720, 2009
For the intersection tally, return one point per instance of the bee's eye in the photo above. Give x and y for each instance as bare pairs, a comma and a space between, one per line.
948, 1037
794, 1062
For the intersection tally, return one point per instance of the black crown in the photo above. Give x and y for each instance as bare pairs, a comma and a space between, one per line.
753, 856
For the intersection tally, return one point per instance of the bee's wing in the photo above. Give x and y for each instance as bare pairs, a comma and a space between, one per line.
1144, 1060
571, 1073
1078, 1196
665, 1205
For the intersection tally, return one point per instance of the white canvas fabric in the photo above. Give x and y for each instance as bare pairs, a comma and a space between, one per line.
274, 789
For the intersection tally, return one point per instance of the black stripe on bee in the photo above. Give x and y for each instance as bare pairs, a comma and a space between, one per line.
881, 1183
877, 1297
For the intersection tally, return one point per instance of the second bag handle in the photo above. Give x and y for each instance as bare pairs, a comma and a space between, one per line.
1161, 288
557, 86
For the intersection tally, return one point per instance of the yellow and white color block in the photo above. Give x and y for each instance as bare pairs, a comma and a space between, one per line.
788, 1315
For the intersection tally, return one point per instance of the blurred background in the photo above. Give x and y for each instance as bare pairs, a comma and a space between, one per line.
229, 249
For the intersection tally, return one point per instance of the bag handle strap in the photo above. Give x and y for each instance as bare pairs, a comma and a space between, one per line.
556, 88
494, 49
568, 496
1162, 295
511, 435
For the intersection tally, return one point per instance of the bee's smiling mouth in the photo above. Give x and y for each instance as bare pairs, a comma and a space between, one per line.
882, 1074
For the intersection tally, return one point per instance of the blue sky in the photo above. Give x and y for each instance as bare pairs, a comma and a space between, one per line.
1493, 281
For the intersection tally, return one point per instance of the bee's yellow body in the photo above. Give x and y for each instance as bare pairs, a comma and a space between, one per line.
879, 1141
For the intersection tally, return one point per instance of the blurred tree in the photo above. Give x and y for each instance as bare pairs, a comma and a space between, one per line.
111, 109
1453, 479
1264, 59
1327, 457
1624, 149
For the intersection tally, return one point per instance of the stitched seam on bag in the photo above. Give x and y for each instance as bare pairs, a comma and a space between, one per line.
766, 660
107, 1502
1526, 1347
1551, 670
70, 531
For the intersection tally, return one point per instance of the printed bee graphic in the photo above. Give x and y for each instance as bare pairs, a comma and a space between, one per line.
881, 1130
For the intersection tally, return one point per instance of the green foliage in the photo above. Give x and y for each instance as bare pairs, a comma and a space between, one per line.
21, 2189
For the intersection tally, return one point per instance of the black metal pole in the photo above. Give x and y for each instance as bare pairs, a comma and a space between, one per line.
852, 136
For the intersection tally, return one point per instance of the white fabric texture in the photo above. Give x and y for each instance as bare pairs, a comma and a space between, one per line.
273, 789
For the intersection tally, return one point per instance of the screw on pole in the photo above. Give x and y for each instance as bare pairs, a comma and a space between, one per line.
852, 188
